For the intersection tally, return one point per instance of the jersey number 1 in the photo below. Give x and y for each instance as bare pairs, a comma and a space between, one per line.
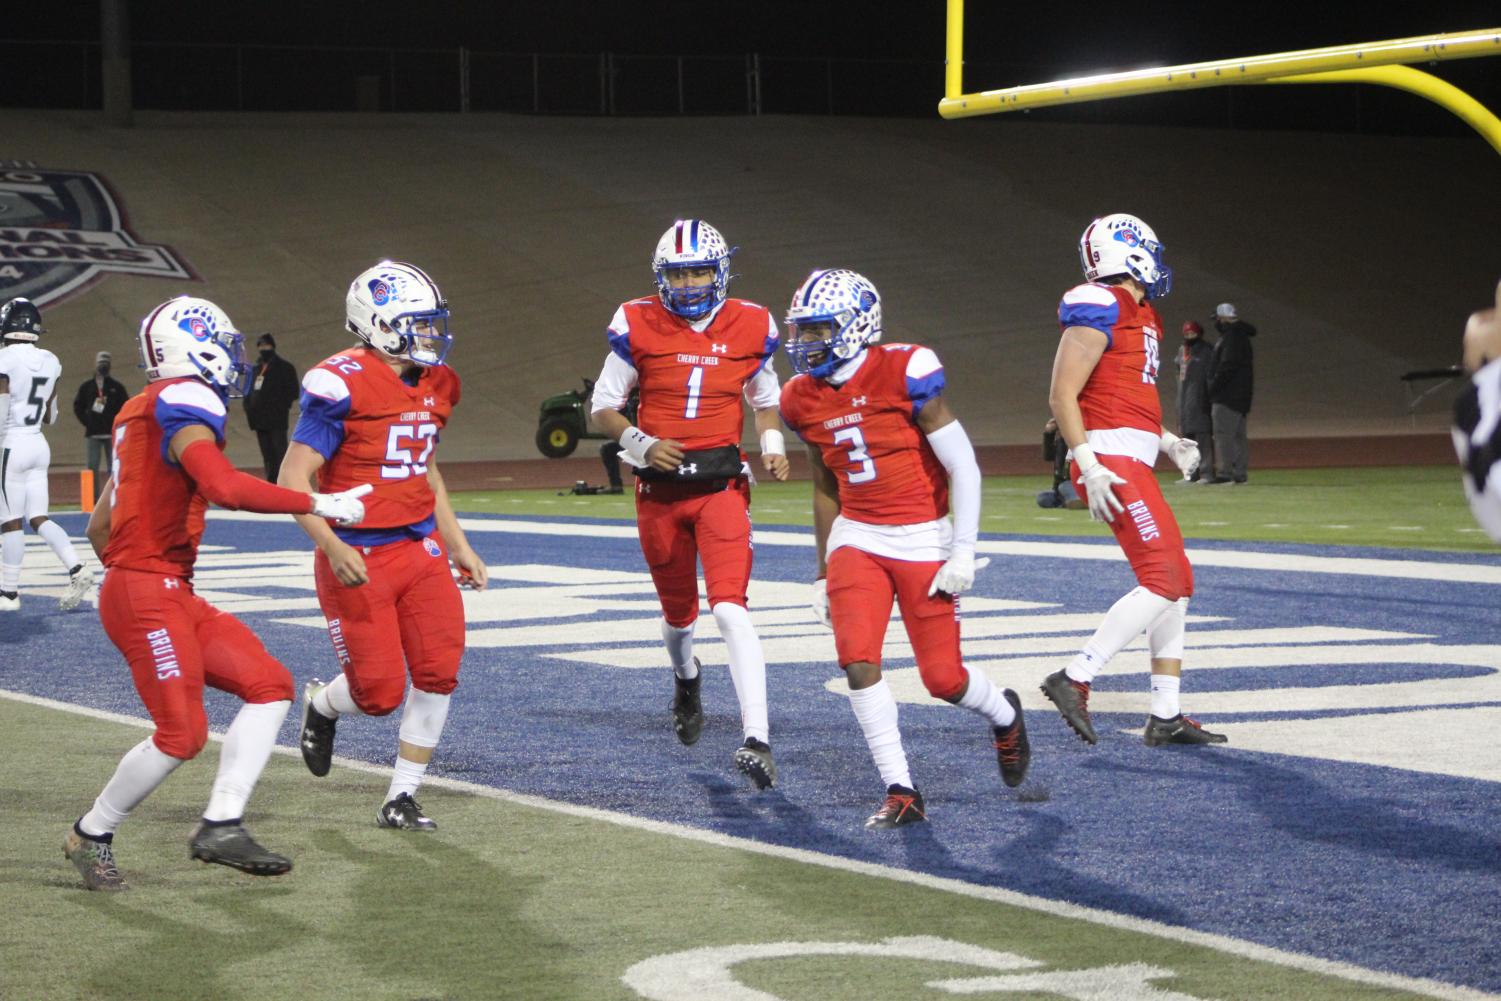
695, 383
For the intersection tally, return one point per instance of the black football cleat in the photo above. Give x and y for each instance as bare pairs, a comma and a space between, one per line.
404, 813
317, 732
1072, 699
754, 759
687, 710
232, 845
95, 861
1179, 730
901, 807
1012, 751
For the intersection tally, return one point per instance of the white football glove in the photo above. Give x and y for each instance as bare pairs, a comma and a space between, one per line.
957, 574
1098, 484
1184, 452
343, 508
821, 602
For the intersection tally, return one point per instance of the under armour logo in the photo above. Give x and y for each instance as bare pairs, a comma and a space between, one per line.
688, 470
171, 582
719, 349
858, 401
429, 401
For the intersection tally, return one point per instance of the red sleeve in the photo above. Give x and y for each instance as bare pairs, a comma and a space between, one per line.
226, 486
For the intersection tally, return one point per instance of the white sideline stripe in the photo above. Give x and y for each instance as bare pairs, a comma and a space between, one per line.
1469, 573
1011, 898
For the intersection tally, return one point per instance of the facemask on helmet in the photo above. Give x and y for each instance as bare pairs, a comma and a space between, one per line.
1122, 244
187, 336
692, 243
396, 308
833, 316
20, 320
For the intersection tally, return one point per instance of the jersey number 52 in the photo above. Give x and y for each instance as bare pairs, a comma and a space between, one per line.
400, 440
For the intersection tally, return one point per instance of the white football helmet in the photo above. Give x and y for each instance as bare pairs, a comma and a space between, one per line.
844, 300
692, 243
1122, 244
188, 336
396, 308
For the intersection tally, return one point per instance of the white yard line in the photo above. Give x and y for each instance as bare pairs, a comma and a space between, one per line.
1010, 898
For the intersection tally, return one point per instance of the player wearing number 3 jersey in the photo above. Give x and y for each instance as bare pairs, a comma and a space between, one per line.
889, 460
374, 415
1104, 397
696, 356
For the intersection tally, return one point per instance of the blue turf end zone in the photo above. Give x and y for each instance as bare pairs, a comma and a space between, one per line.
1391, 868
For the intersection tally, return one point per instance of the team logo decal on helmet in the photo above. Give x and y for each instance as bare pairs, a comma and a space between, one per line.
396, 308
834, 315
20, 320
692, 243
1122, 244
188, 336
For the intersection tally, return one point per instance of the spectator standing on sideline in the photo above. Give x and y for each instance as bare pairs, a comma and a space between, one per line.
1477, 418
268, 403
1230, 393
1195, 357
97, 402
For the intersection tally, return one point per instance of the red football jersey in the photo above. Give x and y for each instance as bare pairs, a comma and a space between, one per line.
866, 430
371, 426
1122, 390
156, 511
692, 383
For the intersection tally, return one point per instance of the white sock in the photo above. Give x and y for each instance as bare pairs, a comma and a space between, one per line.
12, 552
1165, 635
247, 748
876, 711
747, 667
52, 533
405, 777
334, 699
1136, 610
143, 768
679, 643
1165, 696
987, 700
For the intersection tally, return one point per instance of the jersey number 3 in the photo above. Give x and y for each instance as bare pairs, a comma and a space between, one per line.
400, 438
857, 455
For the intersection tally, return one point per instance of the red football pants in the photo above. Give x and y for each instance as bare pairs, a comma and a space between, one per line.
862, 587
682, 524
175, 643
408, 616
1146, 530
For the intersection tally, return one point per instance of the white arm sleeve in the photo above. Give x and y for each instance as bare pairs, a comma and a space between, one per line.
4, 413
615, 382
953, 448
765, 390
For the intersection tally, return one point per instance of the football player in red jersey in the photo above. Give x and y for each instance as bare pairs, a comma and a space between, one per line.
889, 460
374, 414
697, 356
168, 467
1104, 397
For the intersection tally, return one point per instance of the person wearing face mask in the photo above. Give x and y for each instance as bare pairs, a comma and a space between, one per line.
1195, 357
268, 403
1230, 384
95, 405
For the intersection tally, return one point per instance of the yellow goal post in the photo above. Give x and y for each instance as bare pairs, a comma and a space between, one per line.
1382, 63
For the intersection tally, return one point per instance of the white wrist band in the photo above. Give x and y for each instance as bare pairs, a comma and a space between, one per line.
1084, 456
1168, 440
772, 442
636, 442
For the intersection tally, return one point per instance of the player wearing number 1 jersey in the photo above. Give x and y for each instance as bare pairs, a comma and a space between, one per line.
1104, 397
374, 414
697, 356
889, 460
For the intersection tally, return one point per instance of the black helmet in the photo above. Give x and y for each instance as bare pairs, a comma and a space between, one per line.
20, 320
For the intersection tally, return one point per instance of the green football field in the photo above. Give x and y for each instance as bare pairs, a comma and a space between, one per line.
518, 898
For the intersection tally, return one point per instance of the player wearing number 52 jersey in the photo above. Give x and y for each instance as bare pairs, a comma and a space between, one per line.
168, 466
28, 398
889, 459
1104, 397
374, 415
697, 356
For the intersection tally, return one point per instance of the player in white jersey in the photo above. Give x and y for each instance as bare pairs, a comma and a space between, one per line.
1477, 418
28, 397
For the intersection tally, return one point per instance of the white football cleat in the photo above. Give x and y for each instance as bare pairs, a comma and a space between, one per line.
79, 585
10, 604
